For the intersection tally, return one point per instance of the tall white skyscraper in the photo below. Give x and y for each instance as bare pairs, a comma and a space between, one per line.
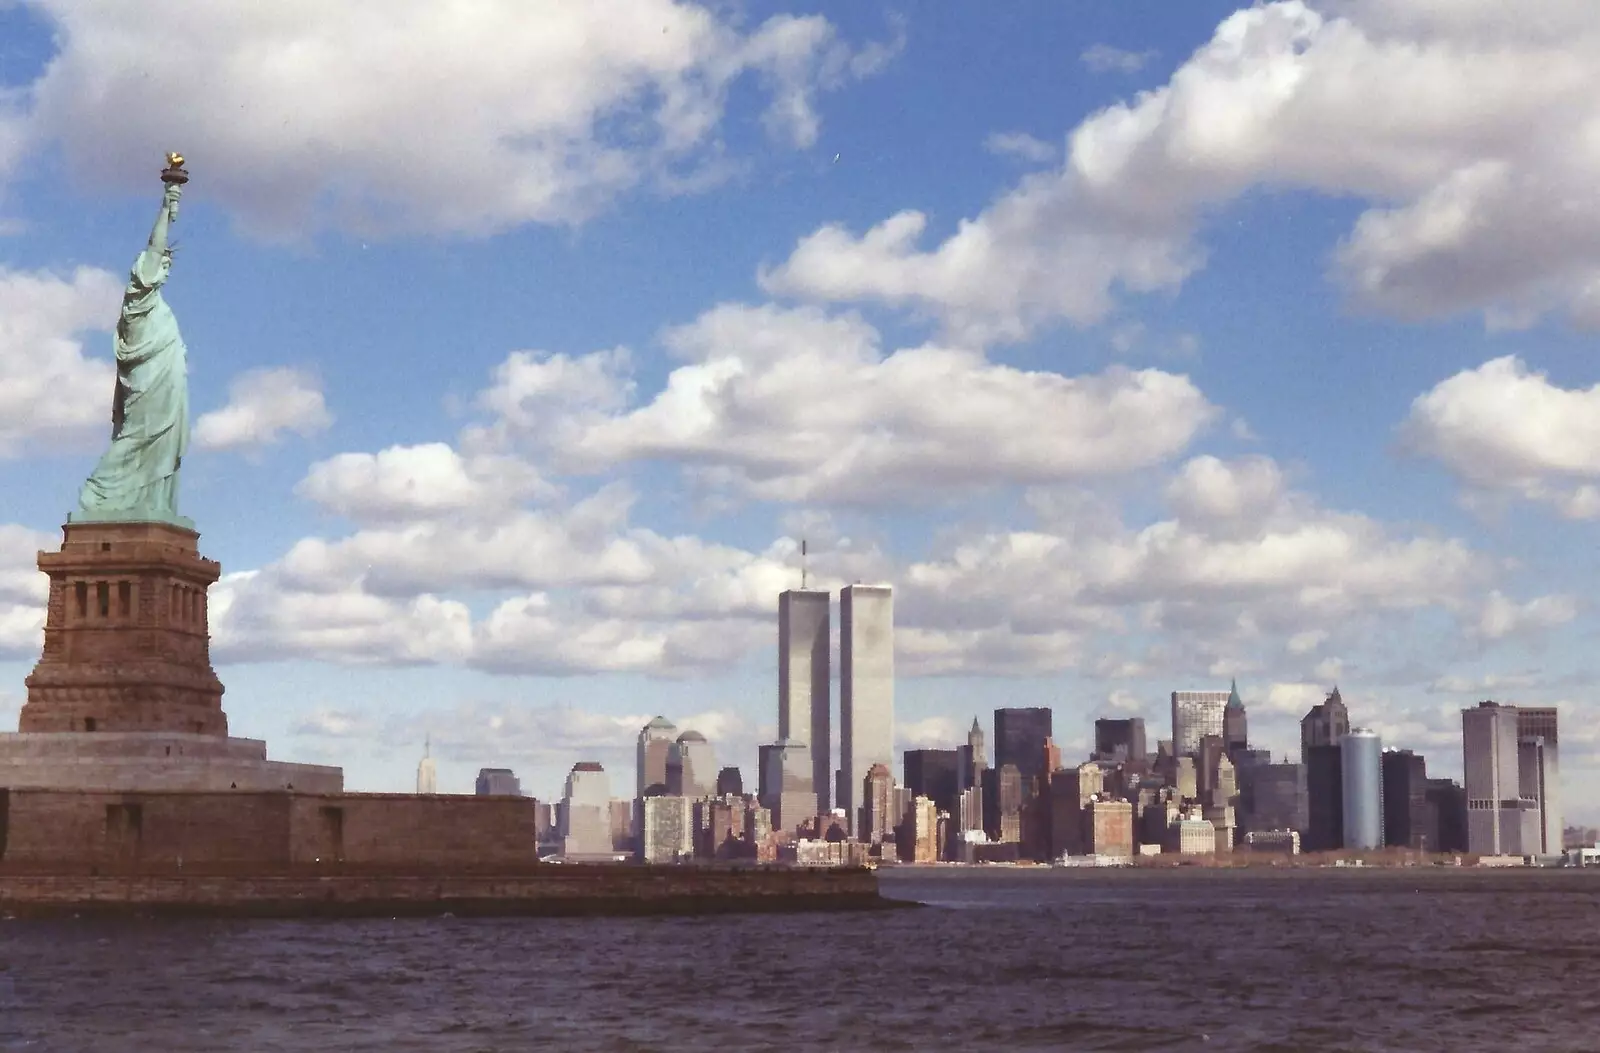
1539, 764
655, 745
1196, 714
585, 814
866, 687
804, 681
427, 773
691, 767
1502, 819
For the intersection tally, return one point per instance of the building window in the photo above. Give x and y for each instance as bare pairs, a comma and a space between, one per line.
125, 598
82, 589
88, 723
103, 598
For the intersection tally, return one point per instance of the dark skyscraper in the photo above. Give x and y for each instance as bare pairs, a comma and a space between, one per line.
934, 774
1120, 741
1020, 736
974, 758
1325, 724
498, 782
1272, 797
1002, 803
1449, 803
1321, 729
730, 783
1235, 730
1409, 821
1324, 799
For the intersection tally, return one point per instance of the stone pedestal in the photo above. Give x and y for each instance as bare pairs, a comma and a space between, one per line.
126, 642
124, 698
153, 760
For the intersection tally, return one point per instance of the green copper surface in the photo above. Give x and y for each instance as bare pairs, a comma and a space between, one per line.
137, 478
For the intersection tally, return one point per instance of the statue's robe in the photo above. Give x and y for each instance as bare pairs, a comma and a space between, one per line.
137, 478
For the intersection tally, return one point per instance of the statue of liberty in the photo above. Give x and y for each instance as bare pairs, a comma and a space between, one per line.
137, 478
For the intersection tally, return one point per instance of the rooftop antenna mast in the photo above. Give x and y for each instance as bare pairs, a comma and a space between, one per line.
802, 564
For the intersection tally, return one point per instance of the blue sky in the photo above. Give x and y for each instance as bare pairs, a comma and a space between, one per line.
1139, 345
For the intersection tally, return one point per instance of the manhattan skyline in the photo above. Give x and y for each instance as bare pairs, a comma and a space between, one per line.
508, 430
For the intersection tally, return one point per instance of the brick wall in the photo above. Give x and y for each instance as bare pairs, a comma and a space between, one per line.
267, 828
402, 828
101, 827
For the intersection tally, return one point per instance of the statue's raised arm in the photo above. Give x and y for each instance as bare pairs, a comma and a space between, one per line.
137, 478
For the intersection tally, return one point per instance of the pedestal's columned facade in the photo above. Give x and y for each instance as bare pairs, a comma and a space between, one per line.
126, 640
124, 698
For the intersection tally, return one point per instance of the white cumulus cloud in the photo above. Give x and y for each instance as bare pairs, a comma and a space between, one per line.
418, 116
799, 405
1480, 180
51, 392
263, 405
1504, 429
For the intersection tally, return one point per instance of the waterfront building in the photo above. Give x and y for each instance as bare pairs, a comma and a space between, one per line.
1501, 818
497, 782
584, 818
730, 783
1002, 803
1409, 821
974, 758
427, 771
1224, 825
1185, 778
690, 766
668, 829
1235, 724
919, 835
1447, 801
1020, 736
1121, 741
1272, 797
719, 828
878, 817
1191, 837
1110, 828
866, 684
1196, 714
1540, 771
1361, 782
654, 747
786, 781
1286, 842
935, 774
626, 818
758, 832
1070, 793
1324, 830
805, 677
970, 811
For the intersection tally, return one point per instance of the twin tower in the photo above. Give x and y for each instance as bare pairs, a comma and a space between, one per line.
866, 685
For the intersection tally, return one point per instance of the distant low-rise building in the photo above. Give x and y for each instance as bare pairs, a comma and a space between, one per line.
668, 834
1110, 825
1191, 837
1286, 842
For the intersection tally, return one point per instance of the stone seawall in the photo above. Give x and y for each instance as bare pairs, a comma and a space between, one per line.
543, 890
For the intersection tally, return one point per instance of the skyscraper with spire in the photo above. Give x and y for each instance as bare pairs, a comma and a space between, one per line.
427, 773
974, 758
1235, 732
